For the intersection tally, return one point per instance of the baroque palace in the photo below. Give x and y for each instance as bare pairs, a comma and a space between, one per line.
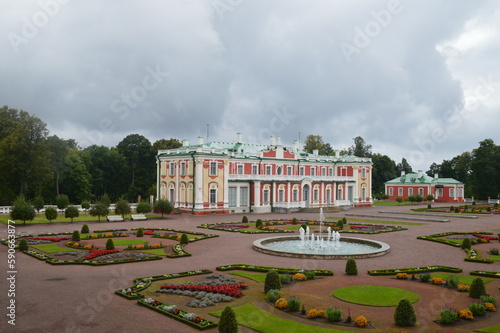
236, 177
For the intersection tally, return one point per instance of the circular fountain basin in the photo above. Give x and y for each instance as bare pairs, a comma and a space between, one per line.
350, 247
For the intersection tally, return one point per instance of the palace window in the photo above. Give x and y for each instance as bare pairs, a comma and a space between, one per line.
183, 168
279, 171
363, 173
295, 195
243, 196
255, 169
301, 171
213, 195
400, 191
391, 191
289, 170
410, 191
313, 171
213, 168
240, 169
232, 196
268, 169
172, 168
265, 196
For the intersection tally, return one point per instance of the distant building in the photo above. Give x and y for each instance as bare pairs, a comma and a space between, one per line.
443, 189
224, 177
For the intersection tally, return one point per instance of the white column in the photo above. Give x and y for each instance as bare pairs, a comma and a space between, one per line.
158, 177
177, 189
322, 194
226, 184
288, 193
256, 194
198, 185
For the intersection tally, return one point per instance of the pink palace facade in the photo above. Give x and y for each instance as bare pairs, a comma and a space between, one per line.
236, 177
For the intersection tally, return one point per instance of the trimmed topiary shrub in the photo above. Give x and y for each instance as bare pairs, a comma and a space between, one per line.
295, 221
425, 277
85, 229
272, 281
304, 226
273, 295
294, 304
285, 278
466, 244
452, 281
244, 219
110, 245
477, 288
140, 232
350, 267
184, 239
76, 236
333, 314
258, 223
477, 309
310, 275
227, 322
404, 315
448, 317
23, 245
340, 224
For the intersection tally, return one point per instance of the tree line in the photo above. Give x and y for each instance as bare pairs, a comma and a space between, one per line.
43, 167
477, 169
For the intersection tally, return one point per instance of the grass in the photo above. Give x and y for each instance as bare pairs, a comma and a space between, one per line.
494, 258
129, 241
259, 320
52, 248
491, 329
157, 252
297, 227
61, 219
395, 203
374, 295
465, 279
384, 222
258, 277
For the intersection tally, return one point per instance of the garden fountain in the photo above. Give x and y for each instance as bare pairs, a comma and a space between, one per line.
309, 245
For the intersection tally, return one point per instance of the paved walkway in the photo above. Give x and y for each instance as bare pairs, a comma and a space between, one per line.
80, 298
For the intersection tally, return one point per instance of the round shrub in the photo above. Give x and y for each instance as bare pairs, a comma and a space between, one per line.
425, 277
310, 275
466, 244
294, 220
140, 232
488, 299
273, 295
494, 252
285, 279
85, 229
437, 281
452, 281
23, 245
448, 317
244, 219
258, 223
404, 315
272, 281
110, 245
184, 239
463, 287
313, 313
477, 309
351, 268
333, 314
294, 304
227, 322
299, 277
477, 288
76, 236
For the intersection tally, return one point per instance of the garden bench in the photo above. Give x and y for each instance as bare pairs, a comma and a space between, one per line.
137, 217
114, 218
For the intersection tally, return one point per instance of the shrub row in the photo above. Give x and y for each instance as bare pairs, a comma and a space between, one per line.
414, 270
265, 269
486, 274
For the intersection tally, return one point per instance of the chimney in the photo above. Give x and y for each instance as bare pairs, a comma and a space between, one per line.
273, 140
201, 140
436, 176
315, 152
279, 141
239, 137
420, 173
337, 154
402, 173
296, 145
185, 143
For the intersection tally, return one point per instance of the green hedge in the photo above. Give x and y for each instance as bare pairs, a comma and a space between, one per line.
265, 269
486, 274
415, 270
179, 251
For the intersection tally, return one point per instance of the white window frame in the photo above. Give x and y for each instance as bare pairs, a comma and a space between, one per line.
172, 169
213, 168
240, 169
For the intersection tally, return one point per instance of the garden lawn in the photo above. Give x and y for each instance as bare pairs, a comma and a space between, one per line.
384, 222
374, 295
157, 252
491, 329
259, 320
494, 258
258, 277
465, 279
130, 241
52, 248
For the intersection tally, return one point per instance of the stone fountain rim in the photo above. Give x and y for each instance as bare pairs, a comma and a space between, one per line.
259, 246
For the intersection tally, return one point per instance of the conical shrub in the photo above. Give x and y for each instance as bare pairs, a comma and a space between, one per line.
272, 281
404, 315
477, 288
227, 322
350, 267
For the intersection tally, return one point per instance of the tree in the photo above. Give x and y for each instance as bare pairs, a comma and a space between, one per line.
350, 267
99, 209
272, 281
484, 166
165, 144
383, 170
71, 212
140, 232
405, 315
316, 142
477, 288
163, 206
110, 245
360, 148
23, 245
62, 201
38, 203
105, 200
122, 207
403, 166
85, 229
143, 207
184, 239
136, 150
22, 210
77, 184
429, 197
76, 236
227, 322
50, 214
59, 150
24, 154
85, 205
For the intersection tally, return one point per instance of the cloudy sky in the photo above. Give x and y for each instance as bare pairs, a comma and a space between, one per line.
415, 79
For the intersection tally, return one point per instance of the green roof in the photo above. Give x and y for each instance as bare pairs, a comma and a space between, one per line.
412, 178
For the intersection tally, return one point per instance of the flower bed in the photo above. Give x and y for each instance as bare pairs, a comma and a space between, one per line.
413, 270
186, 317
96, 253
488, 238
252, 268
233, 290
179, 252
51, 239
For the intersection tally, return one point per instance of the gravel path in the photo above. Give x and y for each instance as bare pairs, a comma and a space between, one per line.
80, 298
